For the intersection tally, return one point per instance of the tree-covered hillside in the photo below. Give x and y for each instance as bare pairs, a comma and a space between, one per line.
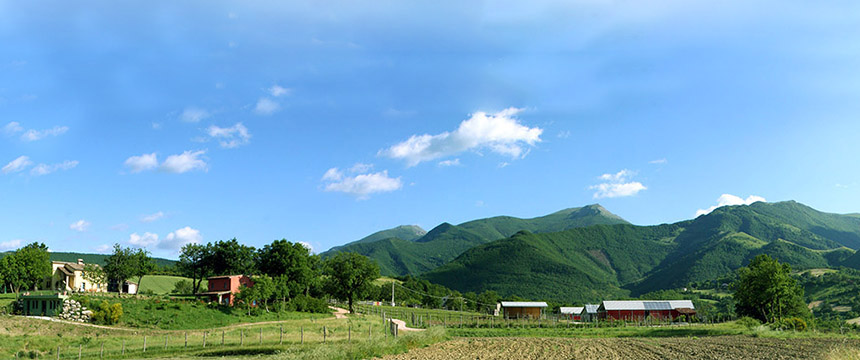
96, 258
598, 262
397, 256
402, 232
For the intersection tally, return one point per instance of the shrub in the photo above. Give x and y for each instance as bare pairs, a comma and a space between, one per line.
748, 322
108, 314
183, 287
793, 323
304, 303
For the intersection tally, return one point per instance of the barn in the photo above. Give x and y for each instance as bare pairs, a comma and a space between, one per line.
522, 309
643, 309
571, 313
590, 313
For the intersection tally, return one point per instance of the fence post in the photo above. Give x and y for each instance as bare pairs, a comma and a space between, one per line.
165, 342
102, 352
186, 339
324, 334
370, 332
349, 334
281, 339
123, 347
204, 338
261, 336
58, 353
302, 329
144, 343
80, 349
242, 337
222, 337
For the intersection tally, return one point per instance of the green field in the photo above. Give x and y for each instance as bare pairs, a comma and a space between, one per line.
161, 284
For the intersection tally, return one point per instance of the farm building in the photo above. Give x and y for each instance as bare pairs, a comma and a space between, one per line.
222, 289
640, 310
590, 313
571, 313
42, 305
522, 309
69, 276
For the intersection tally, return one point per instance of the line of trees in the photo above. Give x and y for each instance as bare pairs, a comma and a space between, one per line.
25, 268
287, 272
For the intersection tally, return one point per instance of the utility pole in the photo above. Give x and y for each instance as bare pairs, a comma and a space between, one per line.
392, 293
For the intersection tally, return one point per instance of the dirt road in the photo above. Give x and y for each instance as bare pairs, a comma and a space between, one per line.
718, 347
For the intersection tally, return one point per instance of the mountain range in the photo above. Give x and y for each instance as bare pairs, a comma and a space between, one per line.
587, 254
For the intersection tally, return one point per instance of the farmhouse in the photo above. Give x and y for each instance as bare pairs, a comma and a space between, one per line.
69, 276
523, 309
639, 310
223, 289
571, 313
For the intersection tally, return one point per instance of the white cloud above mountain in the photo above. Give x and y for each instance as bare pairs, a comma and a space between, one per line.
499, 132
360, 183
729, 200
617, 185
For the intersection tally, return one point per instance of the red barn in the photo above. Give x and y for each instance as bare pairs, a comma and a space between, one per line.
642, 309
223, 289
571, 313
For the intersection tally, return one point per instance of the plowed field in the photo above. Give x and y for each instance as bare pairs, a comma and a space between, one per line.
717, 347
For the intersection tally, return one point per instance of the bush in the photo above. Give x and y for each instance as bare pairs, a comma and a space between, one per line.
108, 314
748, 322
793, 323
304, 303
183, 287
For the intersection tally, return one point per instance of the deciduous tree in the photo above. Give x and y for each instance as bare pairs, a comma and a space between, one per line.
349, 276
766, 291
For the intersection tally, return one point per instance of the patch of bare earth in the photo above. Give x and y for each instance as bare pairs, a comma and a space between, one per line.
718, 347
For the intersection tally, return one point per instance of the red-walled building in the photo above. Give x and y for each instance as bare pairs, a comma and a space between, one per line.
223, 289
571, 313
634, 310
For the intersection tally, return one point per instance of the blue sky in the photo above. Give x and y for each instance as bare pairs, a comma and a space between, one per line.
161, 123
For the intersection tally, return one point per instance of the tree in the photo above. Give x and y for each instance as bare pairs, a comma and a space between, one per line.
94, 274
293, 260
264, 288
488, 300
232, 258
247, 295
281, 288
119, 266
766, 291
27, 267
349, 276
195, 262
142, 264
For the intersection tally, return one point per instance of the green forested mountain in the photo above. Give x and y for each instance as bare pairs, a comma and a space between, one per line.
402, 232
596, 262
397, 256
94, 258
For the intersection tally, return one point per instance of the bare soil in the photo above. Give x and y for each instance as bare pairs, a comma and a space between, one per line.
717, 347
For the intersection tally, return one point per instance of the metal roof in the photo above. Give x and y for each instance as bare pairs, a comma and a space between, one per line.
591, 309
523, 304
647, 305
571, 310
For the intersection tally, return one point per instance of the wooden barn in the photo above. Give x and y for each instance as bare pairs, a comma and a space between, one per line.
590, 313
571, 313
635, 310
523, 309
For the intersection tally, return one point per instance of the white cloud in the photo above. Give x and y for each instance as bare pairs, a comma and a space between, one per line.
19, 164
500, 133
144, 162
277, 91
185, 162
361, 185
12, 128
658, 161
10, 245
333, 174
266, 106
152, 217
144, 240
617, 185
103, 249
729, 199
455, 162
307, 245
230, 137
33, 135
181, 237
194, 114
80, 225
361, 168
45, 169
